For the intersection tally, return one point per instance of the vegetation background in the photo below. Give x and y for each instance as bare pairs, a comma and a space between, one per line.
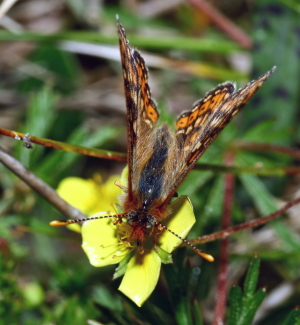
61, 79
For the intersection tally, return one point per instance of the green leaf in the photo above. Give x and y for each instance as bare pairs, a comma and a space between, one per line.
260, 132
262, 199
165, 257
235, 303
188, 186
293, 318
250, 307
122, 267
40, 119
73, 311
243, 306
61, 160
275, 30
52, 66
252, 277
178, 277
213, 207
105, 298
183, 43
290, 240
40, 114
197, 313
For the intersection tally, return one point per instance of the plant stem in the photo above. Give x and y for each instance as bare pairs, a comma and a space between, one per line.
221, 294
254, 223
39, 186
66, 146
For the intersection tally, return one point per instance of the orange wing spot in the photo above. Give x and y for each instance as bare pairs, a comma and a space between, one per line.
142, 73
217, 100
204, 108
182, 122
193, 117
152, 113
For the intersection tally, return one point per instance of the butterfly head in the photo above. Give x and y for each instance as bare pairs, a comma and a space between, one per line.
142, 225
141, 218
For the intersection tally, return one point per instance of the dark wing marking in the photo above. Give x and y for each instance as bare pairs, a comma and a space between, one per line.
142, 114
191, 123
197, 128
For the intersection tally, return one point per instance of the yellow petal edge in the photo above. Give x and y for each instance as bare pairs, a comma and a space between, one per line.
141, 276
100, 242
181, 220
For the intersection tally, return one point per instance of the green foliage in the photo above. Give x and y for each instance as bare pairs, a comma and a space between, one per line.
293, 318
53, 91
243, 305
11, 299
178, 277
165, 257
276, 37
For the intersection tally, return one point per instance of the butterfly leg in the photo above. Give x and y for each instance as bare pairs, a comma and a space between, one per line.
123, 188
157, 231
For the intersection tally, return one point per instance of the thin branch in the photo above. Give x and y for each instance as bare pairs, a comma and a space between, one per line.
268, 147
117, 156
251, 224
39, 186
65, 146
255, 170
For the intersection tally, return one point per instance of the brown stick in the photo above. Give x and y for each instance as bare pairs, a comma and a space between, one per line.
64, 146
39, 186
223, 23
254, 223
268, 147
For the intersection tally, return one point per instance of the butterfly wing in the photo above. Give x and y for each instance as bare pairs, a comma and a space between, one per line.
196, 129
142, 114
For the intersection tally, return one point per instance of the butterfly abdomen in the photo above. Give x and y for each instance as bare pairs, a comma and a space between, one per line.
144, 207
152, 175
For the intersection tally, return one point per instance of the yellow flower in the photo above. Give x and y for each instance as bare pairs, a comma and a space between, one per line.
107, 241
88, 195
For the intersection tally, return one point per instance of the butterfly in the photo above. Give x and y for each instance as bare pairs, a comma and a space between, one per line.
159, 159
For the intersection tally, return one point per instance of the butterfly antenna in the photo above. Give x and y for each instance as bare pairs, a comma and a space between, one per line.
206, 256
59, 223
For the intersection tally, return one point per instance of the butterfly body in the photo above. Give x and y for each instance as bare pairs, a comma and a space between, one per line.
144, 205
159, 159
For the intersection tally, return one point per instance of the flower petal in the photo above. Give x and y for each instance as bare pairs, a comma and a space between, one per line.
80, 193
110, 191
124, 176
181, 220
141, 276
100, 241
84, 194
